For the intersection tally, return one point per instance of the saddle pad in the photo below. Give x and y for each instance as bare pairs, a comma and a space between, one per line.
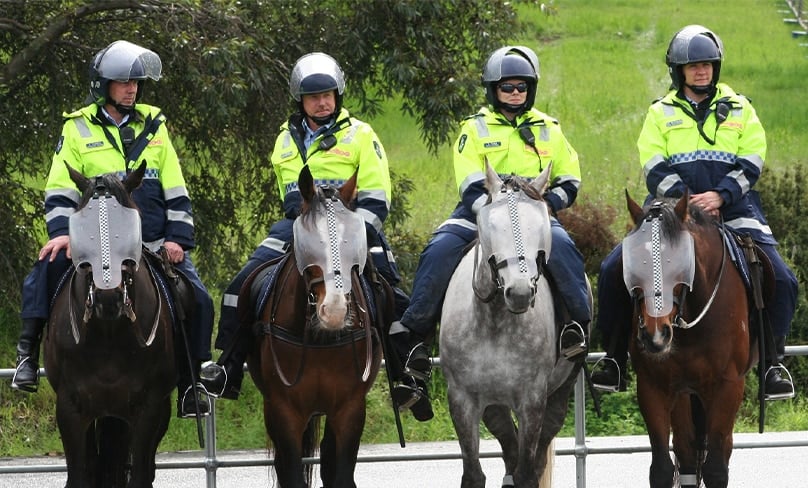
731, 238
264, 283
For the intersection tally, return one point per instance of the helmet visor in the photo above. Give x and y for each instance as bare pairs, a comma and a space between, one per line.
124, 61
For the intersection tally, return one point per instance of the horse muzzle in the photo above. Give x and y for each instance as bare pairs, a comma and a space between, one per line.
655, 338
520, 296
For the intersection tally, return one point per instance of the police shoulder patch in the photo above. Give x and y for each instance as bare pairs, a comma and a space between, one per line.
378, 149
59, 144
461, 143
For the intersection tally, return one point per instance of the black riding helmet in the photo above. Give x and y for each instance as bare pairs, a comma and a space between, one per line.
509, 62
122, 61
694, 44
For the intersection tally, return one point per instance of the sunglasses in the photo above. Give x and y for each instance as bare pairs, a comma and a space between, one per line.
510, 87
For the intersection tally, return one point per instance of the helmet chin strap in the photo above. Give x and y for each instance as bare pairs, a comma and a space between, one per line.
124, 109
514, 109
321, 121
702, 89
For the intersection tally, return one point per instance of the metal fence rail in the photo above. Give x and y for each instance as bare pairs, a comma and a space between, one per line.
210, 463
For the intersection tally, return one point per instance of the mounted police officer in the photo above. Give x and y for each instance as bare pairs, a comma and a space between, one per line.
514, 138
704, 138
104, 137
323, 136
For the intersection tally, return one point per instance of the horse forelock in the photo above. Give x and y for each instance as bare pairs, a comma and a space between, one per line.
671, 226
113, 186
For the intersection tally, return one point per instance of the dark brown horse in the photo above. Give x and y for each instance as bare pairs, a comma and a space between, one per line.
318, 354
691, 348
109, 352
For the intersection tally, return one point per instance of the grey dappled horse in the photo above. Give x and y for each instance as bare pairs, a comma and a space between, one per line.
498, 341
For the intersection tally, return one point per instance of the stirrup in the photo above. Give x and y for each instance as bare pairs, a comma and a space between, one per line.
573, 351
779, 396
603, 386
210, 375
204, 402
414, 394
419, 364
31, 387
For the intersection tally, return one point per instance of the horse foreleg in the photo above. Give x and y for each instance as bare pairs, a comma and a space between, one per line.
655, 408
73, 429
532, 460
147, 432
340, 446
466, 416
498, 420
721, 411
285, 427
687, 421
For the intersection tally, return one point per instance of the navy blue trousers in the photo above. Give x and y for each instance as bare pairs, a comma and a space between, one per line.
40, 286
443, 253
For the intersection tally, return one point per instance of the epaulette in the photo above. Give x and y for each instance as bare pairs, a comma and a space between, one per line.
474, 116
71, 115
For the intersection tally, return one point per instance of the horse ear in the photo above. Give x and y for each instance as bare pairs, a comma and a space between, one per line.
493, 182
540, 182
305, 183
135, 178
634, 209
81, 181
347, 191
681, 206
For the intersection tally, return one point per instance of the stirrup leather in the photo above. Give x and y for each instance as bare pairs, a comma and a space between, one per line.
779, 396
604, 387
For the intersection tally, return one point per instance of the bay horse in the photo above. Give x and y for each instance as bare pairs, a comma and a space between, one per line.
318, 352
109, 351
691, 346
498, 337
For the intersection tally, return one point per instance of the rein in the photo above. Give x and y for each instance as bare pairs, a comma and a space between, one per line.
680, 321
275, 331
89, 305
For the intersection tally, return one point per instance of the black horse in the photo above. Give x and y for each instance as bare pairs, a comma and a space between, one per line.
109, 352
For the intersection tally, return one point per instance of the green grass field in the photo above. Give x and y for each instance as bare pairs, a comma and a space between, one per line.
602, 63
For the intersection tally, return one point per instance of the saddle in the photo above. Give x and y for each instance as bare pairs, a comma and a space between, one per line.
175, 287
754, 265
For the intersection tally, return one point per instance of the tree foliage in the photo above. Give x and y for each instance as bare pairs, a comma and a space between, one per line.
224, 91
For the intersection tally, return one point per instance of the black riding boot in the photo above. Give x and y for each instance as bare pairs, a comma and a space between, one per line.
610, 371
777, 386
411, 390
26, 377
189, 396
223, 378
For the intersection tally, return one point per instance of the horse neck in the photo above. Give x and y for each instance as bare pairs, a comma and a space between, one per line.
710, 255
